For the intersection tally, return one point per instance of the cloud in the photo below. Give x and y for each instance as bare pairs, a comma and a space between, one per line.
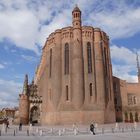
9, 93
20, 27
123, 54
124, 63
28, 58
2, 66
28, 23
118, 19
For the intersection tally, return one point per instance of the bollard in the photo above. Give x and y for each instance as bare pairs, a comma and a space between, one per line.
37, 130
87, 130
112, 130
27, 132
135, 125
102, 130
16, 130
52, 130
132, 130
75, 131
6, 130
63, 130
59, 132
122, 130
14, 133
126, 128
40, 132
0, 132
116, 125
119, 128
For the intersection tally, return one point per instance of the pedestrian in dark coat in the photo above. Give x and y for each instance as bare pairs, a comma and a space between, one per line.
20, 126
92, 128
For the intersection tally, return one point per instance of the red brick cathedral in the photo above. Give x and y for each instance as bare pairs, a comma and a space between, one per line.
74, 83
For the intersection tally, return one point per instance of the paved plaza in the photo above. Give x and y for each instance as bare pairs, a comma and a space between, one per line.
103, 132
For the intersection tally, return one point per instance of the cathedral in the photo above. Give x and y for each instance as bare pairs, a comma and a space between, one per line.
74, 83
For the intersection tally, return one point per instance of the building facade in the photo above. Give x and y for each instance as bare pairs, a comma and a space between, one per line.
74, 82
127, 99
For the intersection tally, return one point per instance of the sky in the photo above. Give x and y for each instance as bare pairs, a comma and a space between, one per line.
25, 25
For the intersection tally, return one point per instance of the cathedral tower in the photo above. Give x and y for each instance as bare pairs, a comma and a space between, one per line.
24, 103
77, 59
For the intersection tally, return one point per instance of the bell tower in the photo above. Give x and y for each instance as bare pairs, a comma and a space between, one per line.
77, 60
76, 17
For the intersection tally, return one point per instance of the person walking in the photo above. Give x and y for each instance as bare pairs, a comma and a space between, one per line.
7, 124
20, 126
92, 128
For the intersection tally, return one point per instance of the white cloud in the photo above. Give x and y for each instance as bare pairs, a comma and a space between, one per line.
9, 91
61, 20
123, 54
21, 27
124, 63
29, 22
122, 22
28, 58
2, 66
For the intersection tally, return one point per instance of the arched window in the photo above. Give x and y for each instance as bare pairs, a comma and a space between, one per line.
89, 57
67, 93
50, 63
66, 63
90, 89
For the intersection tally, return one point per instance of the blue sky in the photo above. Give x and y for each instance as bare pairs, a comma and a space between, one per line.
25, 25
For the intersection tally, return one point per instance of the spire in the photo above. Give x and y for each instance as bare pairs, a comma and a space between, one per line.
25, 86
138, 67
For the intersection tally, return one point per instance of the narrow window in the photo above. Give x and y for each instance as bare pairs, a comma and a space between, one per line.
50, 62
90, 89
89, 57
50, 94
67, 93
66, 63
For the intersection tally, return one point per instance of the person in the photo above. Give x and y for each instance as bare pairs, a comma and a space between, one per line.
7, 124
20, 126
92, 128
